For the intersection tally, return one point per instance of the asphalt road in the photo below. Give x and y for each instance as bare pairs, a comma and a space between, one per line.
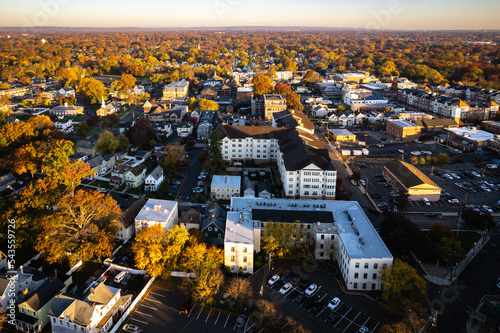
190, 177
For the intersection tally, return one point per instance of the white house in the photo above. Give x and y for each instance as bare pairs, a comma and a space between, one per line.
340, 229
225, 187
154, 179
126, 225
65, 126
184, 130
94, 312
66, 92
164, 212
320, 111
204, 130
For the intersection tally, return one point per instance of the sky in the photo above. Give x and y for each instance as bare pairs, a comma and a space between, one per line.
359, 14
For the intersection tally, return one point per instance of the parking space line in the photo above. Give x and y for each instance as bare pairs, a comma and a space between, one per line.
352, 321
216, 320
229, 315
149, 307
249, 327
343, 317
208, 316
139, 320
143, 313
321, 311
288, 323
375, 328
199, 313
366, 321
323, 297
194, 305
153, 300
157, 294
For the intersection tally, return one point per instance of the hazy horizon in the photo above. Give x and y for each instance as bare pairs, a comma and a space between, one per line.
197, 14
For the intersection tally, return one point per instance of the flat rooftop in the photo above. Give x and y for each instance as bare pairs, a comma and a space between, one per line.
472, 134
178, 84
226, 181
156, 210
404, 123
359, 237
239, 228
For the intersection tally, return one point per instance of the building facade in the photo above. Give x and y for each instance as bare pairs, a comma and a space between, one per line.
156, 211
403, 130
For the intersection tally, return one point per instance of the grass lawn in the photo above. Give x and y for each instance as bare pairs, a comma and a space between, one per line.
468, 238
103, 184
428, 252
94, 130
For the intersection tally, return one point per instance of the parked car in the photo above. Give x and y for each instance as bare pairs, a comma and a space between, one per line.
333, 318
286, 288
487, 209
311, 289
278, 284
303, 285
454, 202
426, 201
131, 328
296, 279
334, 304
363, 329
298, 299
273, 280
362, 182
289, 276
241, 320
316, 307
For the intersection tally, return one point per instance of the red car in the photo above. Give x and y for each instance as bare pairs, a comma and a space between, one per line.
186, 307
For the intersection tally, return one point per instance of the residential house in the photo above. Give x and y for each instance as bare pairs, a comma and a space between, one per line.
109, 161
185, 129
214, 225
209, 116
86, 147
248, 188
208, 92
320, 111
17, 284
118, 175
224, 92
95, 312
32, 314
136, 176
126, 225
346, 118
154, 180
156, 211
264, 190
65, 126
224, 187
97, 166
6, 181
190, 219
342, 134
66, 92
204, 130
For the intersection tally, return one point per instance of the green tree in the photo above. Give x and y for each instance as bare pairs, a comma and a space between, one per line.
107, 143
422, 161
283, 239
402, 200
123, 142
450, 251
214, 161
403, 287
206, 104
82, 129
92, 90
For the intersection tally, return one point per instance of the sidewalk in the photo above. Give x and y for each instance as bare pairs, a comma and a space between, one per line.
442, 276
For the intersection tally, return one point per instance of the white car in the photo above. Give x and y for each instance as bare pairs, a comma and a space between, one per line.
273, 280
311, 289
426, 201
401, 151
487, 208
131, 328
286, 288
416, 153
334, 304
362, 182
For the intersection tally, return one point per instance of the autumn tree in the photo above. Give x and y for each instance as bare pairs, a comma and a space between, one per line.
124, 84
262, 85
156, 250
283, 239
173, 154
443, 158
81, 227
206, 104
311, 77
205, 263
141, 133
123, 142
92, 90
239, 290
403, 287
107, 143
439, 230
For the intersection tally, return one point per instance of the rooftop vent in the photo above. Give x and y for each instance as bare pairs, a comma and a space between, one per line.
157, 207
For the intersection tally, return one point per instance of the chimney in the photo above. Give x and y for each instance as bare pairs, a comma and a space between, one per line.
65, 103
157, 207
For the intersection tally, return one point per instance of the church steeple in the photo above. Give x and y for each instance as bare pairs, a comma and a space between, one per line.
103, 105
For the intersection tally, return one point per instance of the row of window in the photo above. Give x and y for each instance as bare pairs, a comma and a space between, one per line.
364, 285
244, 249
365, 276
244, 259
367, 265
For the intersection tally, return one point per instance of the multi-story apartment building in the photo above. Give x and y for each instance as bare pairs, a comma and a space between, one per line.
306, 170
269, 104
156, 211
339, 229
176, 89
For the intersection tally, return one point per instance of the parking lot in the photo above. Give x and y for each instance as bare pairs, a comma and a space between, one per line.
352, 313
160, 311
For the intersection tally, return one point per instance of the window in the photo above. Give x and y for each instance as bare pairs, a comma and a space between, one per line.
232, 248
374, 276
244, 259
219, 236
356, 275
245, 250
365, 276
206, 235
374, 286
322, 254
384, 265
364, 285
357, 265
366, 265
232, 258
322, 236
322, 246
375, 266
215, 229
355, 285
333, 237
209, 228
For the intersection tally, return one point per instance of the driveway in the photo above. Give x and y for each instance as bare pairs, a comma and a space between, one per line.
190, 177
